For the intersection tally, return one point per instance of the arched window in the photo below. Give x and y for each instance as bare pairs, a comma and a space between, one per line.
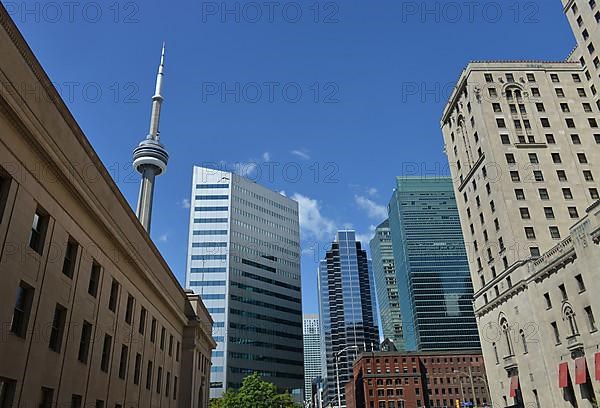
506, 333
524, 342
570, 317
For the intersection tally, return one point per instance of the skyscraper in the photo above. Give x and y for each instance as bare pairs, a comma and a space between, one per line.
523, 138
431, 266
312, 353
244, 261
346, 311
386, 284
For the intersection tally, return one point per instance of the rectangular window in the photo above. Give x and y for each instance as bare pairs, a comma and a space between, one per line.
550, 139
7, 392
114, 296
575, 139
76, 401
529, 233
582, 158
84, 342
549, 213
94, 279
149, 375
562, 175
47, 398
563, 292
525, 213
544, 194
153, 330
70, 256
99, 404
573, 213
38, 230
106, 346
57, 329
588, 176
162, 338
142, 326
168, 385
567, 193
159, 380
129, 309
20, 319
137, 369
548, 301
594, 194
538, 175
554, 232
580, 283
4, 187
555, 332
175, 384
177, 351
170, 345
123, 361
590, 319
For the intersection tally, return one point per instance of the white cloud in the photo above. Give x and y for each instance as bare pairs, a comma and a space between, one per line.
372, 191
366, 237
245, 169
312, 222
374, 210
302, 153
266, 156
185, 203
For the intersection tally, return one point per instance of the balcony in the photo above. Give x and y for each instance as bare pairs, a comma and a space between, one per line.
510, 363
574, 343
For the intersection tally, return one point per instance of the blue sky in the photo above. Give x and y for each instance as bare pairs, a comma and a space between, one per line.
334, 100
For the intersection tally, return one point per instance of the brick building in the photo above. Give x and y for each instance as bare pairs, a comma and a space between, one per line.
407, 380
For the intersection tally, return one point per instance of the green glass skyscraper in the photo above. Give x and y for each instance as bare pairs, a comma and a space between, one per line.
432, 269
386, 283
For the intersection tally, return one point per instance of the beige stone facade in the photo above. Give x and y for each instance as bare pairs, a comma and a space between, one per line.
523, 142
91, 314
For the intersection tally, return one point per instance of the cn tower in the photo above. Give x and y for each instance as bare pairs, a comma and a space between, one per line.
150, 157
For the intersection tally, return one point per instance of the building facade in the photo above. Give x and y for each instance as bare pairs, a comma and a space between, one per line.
386, 285
92, 315
407, 380
244, 261
312, 353
523, 144
431, 264
346, 311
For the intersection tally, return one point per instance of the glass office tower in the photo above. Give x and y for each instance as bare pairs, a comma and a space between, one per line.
434, 283
312, 353
244, 261
346, 311
386, 284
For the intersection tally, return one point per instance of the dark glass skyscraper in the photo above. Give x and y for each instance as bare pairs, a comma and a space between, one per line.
431, 263
346, 311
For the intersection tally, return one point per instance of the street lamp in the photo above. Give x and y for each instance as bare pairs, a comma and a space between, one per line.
337, 371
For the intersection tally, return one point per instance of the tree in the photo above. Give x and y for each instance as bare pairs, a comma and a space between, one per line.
254, 393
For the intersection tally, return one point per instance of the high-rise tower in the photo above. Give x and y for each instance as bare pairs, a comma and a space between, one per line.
150, 157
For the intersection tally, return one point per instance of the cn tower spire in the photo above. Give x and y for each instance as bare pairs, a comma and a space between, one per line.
150, 157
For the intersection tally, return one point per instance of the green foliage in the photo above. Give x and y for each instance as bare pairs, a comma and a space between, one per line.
254, 393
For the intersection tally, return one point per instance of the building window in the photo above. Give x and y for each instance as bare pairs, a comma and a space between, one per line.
175, 385
520, 194
563, 292
587, 175
544, 194
570, 123
562, 175
149, 375
580, 283
549, 213
507, 340
170, 345
525, 213
570, 317
123, 361
567, 193
153, 330
76, 401
7, 392
575, 139
538, 175
94, 279
162, 339
535, 252
70, 256
582, 158
114, 296
106, 346
38, 230
529, 232
524, 342
505, 139
168, 385
548, 301
20, 318
555, 332
510, 158
142, 326
57, 328
514, 176
594, 194
560, 93
501, 123
159, 380
129, 309
137, 369
84, 342
556, 158
550, 139
573, 213
47, 398
590, 319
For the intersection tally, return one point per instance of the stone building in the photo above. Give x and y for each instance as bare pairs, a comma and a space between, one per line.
523, 142
91, 313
